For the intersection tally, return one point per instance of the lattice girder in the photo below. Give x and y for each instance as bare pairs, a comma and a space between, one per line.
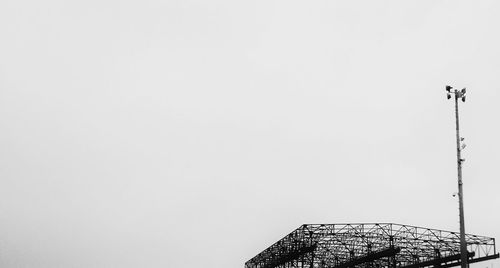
371, 245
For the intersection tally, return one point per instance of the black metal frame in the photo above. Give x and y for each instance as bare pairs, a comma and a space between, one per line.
371, 245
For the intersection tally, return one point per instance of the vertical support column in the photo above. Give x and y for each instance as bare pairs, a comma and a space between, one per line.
463, 245
437, 255
311, 233
392, 259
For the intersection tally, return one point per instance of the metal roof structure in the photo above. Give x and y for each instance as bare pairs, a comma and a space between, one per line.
371, 245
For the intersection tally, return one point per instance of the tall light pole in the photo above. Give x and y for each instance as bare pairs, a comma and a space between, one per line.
460, 94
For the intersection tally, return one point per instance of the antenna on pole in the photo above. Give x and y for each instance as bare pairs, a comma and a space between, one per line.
459, 94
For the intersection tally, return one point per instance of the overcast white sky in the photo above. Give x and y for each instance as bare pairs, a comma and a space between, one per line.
197, 133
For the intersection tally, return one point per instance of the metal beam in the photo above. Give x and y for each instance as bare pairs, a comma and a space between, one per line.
495, 256
438, 261
391, 251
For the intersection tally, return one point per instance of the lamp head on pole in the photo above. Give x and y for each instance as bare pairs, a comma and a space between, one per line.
448, 90
459, 94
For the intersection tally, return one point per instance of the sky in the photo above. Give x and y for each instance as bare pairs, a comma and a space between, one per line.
197, 133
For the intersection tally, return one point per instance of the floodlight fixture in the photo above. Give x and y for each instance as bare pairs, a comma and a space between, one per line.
462, 94
459, 94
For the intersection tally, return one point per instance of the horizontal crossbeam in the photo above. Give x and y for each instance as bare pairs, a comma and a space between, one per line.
438, 261
494, 256
391, 251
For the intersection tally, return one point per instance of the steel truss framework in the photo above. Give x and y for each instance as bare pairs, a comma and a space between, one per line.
376, 245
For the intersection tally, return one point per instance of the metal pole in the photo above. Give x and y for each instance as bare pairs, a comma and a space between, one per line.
463, 245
